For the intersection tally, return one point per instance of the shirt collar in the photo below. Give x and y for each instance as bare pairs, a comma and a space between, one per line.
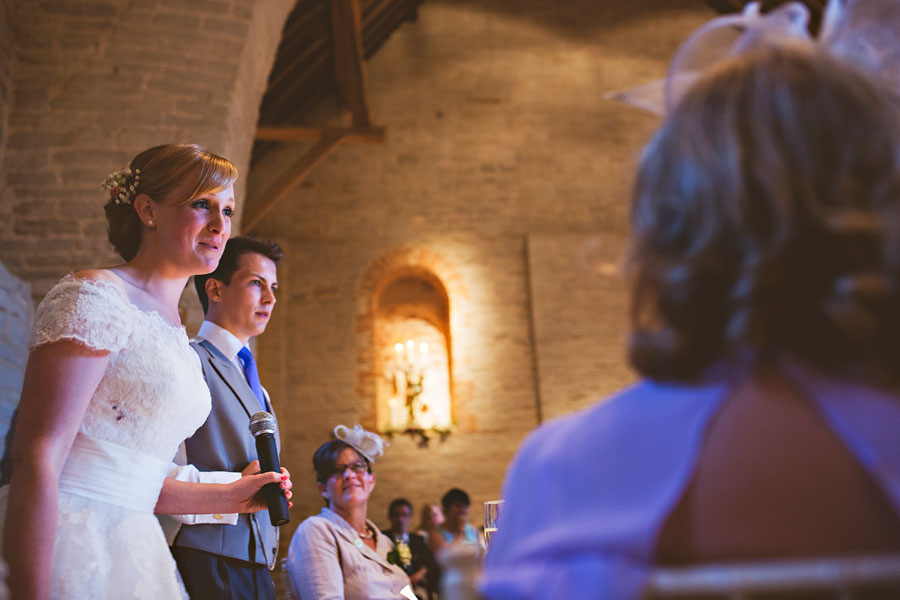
403, 537
221, 338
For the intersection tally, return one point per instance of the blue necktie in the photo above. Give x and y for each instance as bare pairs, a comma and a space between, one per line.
252, 376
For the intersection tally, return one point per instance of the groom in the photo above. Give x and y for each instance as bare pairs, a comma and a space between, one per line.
231, 559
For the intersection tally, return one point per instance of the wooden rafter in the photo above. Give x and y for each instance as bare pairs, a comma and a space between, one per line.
349, 69
352, 135
346, 26
327, 143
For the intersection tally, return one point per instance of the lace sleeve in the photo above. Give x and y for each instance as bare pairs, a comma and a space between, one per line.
83, 310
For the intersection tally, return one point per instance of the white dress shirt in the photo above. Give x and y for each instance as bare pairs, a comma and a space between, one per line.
229, 345
226, 343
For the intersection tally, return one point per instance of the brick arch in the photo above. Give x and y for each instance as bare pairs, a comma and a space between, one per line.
431, 304
428, 265
92, 84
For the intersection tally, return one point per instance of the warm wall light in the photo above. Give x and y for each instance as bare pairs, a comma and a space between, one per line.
413, 362
407, 374
418, 383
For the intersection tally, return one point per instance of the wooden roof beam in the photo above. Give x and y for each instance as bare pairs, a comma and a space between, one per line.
351, 135
349, 69
327, 143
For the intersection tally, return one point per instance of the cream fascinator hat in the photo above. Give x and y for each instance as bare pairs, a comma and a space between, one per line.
861, 32
365, 442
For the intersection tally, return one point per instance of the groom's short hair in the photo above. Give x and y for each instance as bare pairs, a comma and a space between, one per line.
228, 264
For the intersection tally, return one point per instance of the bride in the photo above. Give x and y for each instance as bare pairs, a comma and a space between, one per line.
112, 387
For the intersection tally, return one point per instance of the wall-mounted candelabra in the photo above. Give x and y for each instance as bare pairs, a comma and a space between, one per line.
409, 409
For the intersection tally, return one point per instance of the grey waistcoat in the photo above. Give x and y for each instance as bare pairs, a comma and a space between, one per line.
224, 443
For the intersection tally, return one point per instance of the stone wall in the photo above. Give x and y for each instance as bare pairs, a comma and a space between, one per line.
7, 17
16, 313
93, 84
505, 166
579, 307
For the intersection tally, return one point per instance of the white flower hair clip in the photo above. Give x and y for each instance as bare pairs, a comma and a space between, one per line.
365, 442
122, 185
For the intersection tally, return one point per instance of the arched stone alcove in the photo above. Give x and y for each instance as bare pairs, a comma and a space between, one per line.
413, 352
410, 295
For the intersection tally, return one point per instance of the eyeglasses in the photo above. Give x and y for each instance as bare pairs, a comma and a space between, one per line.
357, 467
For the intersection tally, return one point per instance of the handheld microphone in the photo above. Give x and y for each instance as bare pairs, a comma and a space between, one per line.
262, 426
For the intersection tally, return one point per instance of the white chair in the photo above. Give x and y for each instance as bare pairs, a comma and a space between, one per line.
838, 578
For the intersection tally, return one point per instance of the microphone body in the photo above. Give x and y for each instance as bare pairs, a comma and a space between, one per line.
262, 426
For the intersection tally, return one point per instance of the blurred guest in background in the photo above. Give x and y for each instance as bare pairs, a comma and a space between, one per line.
765, 268
410, 550
455, 527
429, 519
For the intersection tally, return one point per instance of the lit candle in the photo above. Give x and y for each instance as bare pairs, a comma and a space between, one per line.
397, 412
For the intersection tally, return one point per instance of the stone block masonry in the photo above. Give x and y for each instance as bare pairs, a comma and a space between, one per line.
16, 313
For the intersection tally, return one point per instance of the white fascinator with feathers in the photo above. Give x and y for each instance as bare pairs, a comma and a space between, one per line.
365, 442
861, 32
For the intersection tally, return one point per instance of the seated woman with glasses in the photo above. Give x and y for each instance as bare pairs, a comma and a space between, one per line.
339, 553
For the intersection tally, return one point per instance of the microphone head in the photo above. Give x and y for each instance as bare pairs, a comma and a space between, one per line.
261, 423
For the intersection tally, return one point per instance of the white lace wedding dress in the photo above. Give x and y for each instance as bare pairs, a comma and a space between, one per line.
152, 396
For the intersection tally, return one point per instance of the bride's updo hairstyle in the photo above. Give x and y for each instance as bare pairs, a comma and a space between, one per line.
159, 172
766, 222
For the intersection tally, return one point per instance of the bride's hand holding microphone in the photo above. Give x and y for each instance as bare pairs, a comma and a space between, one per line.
250, 488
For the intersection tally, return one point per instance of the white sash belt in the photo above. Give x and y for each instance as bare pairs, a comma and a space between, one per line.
114, 474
